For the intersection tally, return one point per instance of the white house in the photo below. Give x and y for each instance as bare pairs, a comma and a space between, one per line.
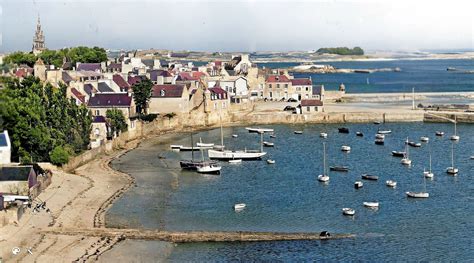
235, 86
5, 148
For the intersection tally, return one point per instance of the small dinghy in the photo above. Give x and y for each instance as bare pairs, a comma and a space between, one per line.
370, 177
452, 170
298, 132
376, 122
345, 148
414, 144
235, 161
348, 211
339, 168
428, 174
323, 178
343, 130
239, 207
439, 133
273, 136
360, 134
235, 135
358, 184
391, 183
268, 144
323, 135
379, 141
384, 131
454, 138
269, 161
472, 157
405, 161
398, 153
209, 169
424, 139
417, 194
371, 204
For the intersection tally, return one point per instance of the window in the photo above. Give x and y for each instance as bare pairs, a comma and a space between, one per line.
271, 94
307, 88
286, 86
97, 112
278, 86
308, 108
97, 132
316, 108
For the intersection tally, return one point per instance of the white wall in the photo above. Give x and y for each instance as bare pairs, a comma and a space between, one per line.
6, 152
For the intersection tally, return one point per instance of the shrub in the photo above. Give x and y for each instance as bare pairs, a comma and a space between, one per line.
59, 156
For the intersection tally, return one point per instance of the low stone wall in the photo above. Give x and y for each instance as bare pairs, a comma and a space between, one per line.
461, 117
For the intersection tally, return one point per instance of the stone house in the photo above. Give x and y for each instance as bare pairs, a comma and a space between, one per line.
169, 98
99, 103
17, 179
318, 92
100, 131
301, 88
310, 106
277, 87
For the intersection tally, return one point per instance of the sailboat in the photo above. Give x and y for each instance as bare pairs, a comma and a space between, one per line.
429, 174
222, 154
324, 177
452, 170
192, 164
419, 194
406, 157
455, 137
208, 168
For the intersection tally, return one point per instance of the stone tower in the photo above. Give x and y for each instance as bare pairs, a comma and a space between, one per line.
38, 39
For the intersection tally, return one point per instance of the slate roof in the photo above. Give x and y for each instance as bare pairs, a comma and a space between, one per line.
105, 100
120, 81
78, 95
104, 87
301, 82
89, 67
277, 78
115, 66
170, 91
155, 73
134, 79
88, 88
317, 89
148, 62
306, 103
66, 77
15, 173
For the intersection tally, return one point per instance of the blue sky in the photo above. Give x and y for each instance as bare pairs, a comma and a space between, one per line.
250, 25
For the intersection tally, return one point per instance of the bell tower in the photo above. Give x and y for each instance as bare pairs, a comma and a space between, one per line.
38, 39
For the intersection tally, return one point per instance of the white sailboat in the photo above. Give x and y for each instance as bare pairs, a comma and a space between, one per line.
406, 157
324, 177
222, 154
208, 168
419, 194
455, 137
391, 183
429, 174
452, 170
348, 211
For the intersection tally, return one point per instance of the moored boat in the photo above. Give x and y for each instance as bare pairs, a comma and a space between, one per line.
239, 207
439, 133
424, 139
348, 211
268, 144
417, 194
235, 161
324, 177
384, 131
175, 146
371, 204
235, 135
272, 135
270, 161
343, 130
398, 153
323, 135
370, 177
339, 168
360, 134
414, 144
452, 170
345, 148
379, 136
379, 141
358, 184
298, 132
209, 169
258, 130
391, 183
204, 145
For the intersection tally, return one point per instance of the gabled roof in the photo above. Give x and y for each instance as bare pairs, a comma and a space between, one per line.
217, 90
104, 87
277, 79
190, 76
301, 82
66, 77
115, 66
134, 79
105, 100
310, 103
154, 74
167, 91
118, 79
89, 67
78, 95
148, 62
89, 89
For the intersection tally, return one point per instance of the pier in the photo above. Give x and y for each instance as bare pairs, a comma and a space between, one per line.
192, 236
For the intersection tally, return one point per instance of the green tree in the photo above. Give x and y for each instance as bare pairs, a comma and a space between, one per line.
117, 122
142, 94
59, 156
20, 58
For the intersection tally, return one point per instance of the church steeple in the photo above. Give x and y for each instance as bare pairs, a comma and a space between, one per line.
38, 39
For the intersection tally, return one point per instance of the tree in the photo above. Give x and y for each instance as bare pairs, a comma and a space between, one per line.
116, 121
20, 58
59, 156
142, 94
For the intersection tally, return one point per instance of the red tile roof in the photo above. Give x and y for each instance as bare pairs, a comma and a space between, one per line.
277, 78
134, 79
78, 95
167, 91
105, 100
306, 103
218, 93
120, 81
301, 82
194, 75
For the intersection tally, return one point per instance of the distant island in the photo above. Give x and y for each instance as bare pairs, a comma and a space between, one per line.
341, 51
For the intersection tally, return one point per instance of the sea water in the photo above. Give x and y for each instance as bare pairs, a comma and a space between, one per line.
286, 196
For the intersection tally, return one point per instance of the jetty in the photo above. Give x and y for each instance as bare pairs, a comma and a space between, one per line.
192, 236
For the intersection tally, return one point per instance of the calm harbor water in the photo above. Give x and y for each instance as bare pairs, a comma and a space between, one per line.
423, 75
287, 197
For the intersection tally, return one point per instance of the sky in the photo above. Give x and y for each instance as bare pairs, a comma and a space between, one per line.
241, 25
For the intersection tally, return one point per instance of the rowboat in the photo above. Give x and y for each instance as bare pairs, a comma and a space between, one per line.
239, 207
268, 144
348, 211
269, 161
298, 132
371, 204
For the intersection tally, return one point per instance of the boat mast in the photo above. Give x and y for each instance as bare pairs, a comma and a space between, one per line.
407, 154
430, 157
413, 100
222, 132
324, 158
455, 122
202, 151
192, 147
452, 155
261, 141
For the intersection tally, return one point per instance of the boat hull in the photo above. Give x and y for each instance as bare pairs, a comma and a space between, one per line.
417, 195
193, 165
370, 177
228, 155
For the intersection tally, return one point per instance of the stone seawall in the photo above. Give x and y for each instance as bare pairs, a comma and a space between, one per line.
461, 117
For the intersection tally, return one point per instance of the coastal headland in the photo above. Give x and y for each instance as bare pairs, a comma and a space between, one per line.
83, 190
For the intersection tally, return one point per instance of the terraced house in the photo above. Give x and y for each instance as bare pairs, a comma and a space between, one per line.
277, 87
